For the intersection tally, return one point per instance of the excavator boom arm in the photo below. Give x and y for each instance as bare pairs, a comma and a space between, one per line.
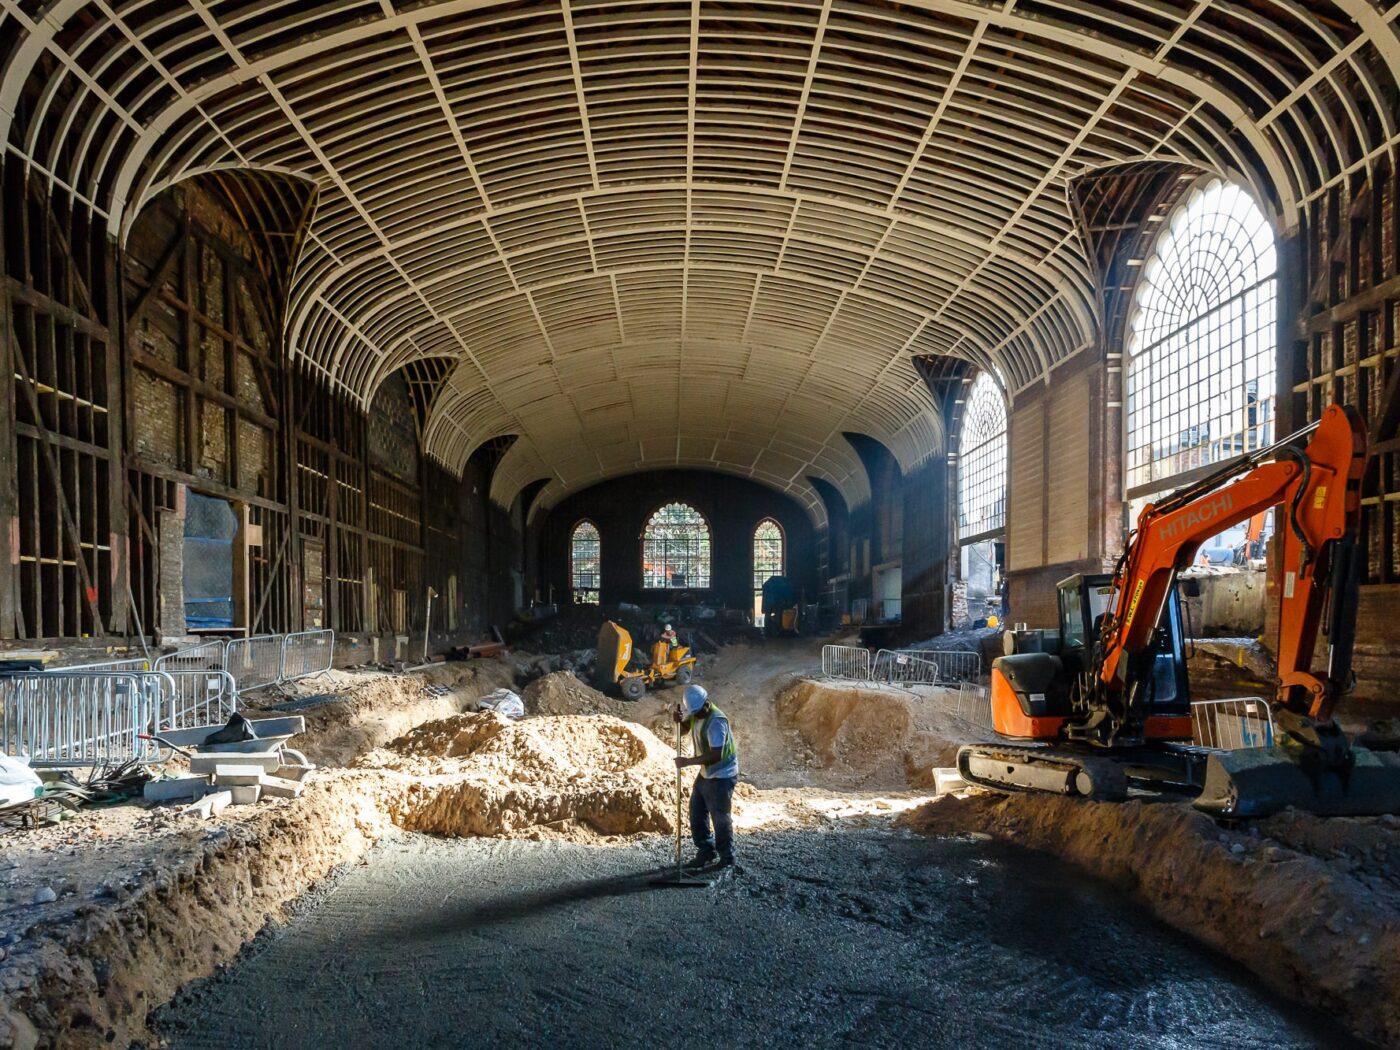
1319, 490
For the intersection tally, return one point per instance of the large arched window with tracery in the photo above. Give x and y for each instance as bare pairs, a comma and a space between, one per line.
585, 563
676, 549
982, 461
1201, 344
981, 501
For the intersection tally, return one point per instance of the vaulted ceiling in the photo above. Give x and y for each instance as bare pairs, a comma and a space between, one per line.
701, 233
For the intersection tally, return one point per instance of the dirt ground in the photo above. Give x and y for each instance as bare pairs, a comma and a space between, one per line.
825, 939
1311, 905
146, 901
403, 750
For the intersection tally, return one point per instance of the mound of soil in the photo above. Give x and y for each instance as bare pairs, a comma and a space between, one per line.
348, 712
581, 778
868, 736
561, 693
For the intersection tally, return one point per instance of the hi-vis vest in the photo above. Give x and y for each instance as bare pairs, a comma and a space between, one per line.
700, 739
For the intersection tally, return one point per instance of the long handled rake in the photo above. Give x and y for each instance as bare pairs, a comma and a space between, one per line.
679, 877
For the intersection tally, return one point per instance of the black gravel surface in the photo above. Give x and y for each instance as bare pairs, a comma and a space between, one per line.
864, 938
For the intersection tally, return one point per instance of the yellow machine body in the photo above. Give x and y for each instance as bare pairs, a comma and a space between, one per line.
668, 663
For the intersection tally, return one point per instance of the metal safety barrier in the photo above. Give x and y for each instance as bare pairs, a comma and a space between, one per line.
198, 698
306, 653
899, 668
954, 665
254, 662
208, 656
1232, 725
263, 660
975, 704
846, 662
136, 663
82, 718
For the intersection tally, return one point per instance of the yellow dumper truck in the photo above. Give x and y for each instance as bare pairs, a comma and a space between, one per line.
669, 663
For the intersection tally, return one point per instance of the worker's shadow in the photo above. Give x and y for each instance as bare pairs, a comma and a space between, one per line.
512, 906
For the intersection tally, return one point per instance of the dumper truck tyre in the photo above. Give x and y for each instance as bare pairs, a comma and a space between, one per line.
685, 674
633, 688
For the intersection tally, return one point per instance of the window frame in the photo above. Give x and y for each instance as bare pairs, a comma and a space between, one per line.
979, 459
753, 551
574, 588
704, 554
1192, 355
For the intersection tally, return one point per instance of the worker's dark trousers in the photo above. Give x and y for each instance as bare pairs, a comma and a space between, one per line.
710, 800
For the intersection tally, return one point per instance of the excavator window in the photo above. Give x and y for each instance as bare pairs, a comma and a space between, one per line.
1084, 601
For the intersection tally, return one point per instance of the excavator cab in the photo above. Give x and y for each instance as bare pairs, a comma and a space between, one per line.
1034, 694
1084, 603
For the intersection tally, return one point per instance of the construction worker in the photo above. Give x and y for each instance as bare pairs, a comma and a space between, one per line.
718, 758
669, 636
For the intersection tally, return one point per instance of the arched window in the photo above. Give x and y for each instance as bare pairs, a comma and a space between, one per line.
585, 556
768, 561
676, 549
1201, 342
982, 461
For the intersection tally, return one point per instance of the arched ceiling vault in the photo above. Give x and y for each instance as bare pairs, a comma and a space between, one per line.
691, 233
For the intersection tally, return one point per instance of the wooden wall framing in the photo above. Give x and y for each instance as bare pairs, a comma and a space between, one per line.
1348, 345
162, 370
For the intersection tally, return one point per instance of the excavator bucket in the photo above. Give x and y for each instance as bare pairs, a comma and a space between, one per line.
1256, 782
614, 650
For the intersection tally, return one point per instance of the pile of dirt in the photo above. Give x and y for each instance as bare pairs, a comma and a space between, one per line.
861, 735
529, 666
561, 693
348, 712
582, 778
1309, 905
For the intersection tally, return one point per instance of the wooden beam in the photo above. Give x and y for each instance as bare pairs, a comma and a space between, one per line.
60, 496
1372, 298
66, 315
200, 483
159, 276
163, 368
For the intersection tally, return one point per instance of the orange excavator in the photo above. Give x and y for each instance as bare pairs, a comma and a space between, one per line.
1108, 707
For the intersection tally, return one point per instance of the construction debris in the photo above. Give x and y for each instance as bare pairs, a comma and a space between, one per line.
234, 765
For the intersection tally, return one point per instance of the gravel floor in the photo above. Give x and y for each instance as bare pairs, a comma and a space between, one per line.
860, 938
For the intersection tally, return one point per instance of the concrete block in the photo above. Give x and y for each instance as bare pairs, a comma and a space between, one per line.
276, 787
200, 810
210, 804
174, 789
291, 772
208, 763
947, 781
237, 774
245, 794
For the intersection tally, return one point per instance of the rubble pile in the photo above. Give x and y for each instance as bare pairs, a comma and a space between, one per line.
582, 778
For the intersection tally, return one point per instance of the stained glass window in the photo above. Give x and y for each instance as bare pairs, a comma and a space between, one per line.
585, 551
676, 549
